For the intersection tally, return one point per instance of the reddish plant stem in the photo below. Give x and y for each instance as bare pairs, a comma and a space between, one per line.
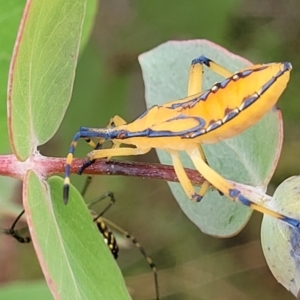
47, 166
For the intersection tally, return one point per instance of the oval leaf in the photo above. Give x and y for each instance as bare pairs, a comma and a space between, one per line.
280, 242
76, 262
42, 71
11, 12
242, 158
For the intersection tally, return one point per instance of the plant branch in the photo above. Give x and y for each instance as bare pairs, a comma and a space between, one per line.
47, 166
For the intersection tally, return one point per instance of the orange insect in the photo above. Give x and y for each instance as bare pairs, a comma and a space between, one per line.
224, 111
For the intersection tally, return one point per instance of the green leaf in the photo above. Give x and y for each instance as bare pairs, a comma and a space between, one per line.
280, 242
76, 262
10, 15
242, 158
42, 71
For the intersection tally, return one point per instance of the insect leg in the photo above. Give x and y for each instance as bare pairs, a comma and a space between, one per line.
116, 121
85, 133
112, 201
137, 244
205, 185
113, 122
195, 78
183, 178
16, 233
88, 163
87, 183
96, 154
198, 63
108, 153
69, 160
231, 192
195, 86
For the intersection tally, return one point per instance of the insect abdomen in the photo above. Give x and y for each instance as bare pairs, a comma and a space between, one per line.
248, 95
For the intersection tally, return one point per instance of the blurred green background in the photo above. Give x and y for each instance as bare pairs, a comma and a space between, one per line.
191, 265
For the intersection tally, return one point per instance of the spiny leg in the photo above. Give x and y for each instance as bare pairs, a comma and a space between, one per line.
16, 233
230, 191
